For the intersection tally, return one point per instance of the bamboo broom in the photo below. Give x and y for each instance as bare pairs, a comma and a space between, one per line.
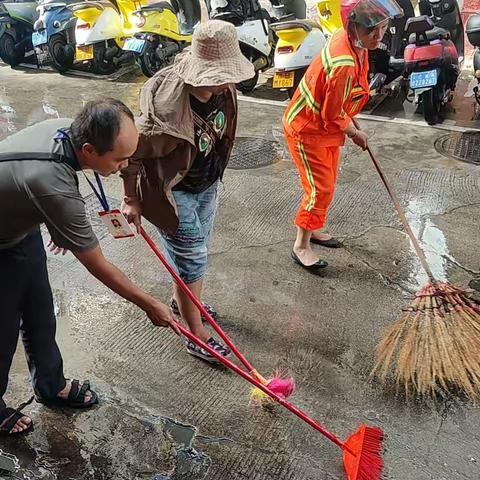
434, 347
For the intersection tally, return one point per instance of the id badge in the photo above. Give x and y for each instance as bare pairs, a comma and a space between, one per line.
117, 224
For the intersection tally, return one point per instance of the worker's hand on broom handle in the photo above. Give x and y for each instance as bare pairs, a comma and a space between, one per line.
357, 135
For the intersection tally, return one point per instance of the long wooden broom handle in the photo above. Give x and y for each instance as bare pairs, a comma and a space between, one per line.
401, 213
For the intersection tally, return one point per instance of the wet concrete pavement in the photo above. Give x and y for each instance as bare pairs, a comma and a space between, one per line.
166, 415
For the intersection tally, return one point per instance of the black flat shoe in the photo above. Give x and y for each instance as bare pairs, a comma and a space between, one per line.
330, 243
316, 268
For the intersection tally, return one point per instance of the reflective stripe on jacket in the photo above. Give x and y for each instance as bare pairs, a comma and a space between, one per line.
334, 89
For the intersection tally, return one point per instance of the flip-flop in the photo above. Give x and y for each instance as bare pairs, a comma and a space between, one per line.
330, 243
316, 268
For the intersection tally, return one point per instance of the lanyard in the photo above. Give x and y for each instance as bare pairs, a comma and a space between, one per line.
100, 193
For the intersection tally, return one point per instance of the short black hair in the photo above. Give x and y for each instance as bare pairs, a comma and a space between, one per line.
98, 123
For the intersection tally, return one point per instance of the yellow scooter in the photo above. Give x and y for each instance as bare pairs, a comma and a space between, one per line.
299, 41
107, 32
164, 29
100, 32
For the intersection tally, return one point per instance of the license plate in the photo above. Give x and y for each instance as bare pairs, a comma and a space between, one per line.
39, 37
423, 79
136, 45
283, 80
84, 53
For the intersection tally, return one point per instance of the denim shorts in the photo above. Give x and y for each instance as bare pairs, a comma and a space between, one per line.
186, 250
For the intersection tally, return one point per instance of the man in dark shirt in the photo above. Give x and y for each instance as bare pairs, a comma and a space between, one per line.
38, 184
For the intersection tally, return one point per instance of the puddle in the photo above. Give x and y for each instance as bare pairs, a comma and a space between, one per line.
179, 433
432, 240
189, 463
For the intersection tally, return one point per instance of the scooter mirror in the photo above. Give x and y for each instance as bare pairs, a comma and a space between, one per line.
377, 81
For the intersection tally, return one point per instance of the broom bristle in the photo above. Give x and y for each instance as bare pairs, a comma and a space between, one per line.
435, 345
282, 386
362, 454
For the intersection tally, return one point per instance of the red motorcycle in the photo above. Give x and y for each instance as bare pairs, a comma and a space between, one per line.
433, 57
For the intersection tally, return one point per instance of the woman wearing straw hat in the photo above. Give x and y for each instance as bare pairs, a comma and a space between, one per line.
319, 116
187, 129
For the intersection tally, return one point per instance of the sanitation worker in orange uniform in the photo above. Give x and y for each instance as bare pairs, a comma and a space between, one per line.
319, 116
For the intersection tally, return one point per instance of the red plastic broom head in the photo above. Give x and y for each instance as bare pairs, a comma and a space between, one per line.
362, 454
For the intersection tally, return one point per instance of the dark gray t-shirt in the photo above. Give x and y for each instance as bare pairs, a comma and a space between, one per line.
42, 191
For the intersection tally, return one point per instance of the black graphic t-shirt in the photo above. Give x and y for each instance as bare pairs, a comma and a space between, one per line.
208, 165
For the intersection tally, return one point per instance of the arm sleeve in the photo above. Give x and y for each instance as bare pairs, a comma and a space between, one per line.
337, 92
67, 222
63, 210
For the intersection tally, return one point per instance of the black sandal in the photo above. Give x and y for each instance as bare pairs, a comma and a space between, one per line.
75, 399
12, 416
316, 268
330, 243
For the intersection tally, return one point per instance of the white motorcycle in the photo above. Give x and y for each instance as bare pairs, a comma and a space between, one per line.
256, 40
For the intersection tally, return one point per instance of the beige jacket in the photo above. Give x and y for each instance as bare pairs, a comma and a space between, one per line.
166, 148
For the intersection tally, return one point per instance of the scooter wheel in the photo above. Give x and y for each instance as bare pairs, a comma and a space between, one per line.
11, 53
101, 63
61, 52
431, 107
148, 61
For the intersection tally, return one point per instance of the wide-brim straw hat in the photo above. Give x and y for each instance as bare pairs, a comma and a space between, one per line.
214, 57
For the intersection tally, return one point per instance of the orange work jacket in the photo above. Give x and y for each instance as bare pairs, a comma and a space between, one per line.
333, 90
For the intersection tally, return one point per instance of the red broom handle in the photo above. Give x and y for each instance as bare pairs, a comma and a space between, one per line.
401, 212
197, 303
296, 411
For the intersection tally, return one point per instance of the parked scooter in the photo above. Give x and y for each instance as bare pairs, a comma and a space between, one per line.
386, 62
257, 41
16, 26
53, 37
299, 41
473, 33
164, 29
100, 31
434, 56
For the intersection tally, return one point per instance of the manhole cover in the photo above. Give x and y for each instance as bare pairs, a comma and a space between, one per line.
254, 152
461, 146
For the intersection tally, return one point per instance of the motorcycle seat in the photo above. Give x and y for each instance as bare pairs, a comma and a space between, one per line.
436, 33
157, 6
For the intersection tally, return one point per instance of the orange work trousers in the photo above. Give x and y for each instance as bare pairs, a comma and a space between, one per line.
318, 167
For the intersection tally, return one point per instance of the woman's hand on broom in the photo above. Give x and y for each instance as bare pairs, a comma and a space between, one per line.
132, 211
357, 136
360, 138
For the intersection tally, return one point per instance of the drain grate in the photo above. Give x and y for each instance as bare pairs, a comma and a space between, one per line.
254, 152
461, 146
